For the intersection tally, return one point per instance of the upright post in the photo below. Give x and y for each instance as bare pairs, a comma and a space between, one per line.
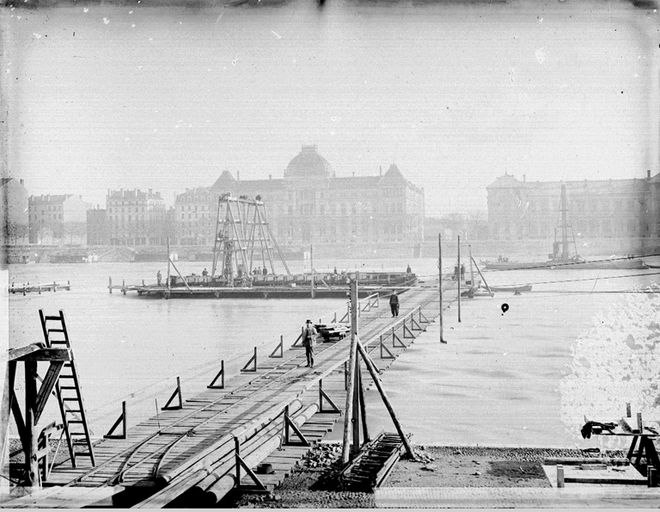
458, 277
564, 230
363, 405
311, 266
471, 269
350, 389
168, 263
110, 283
442, 339
31, 458
355, 420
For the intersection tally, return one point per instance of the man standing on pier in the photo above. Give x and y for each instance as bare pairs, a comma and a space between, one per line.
308, 340
394, 304
159, 277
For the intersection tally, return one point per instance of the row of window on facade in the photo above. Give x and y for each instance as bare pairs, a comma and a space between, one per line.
577, 205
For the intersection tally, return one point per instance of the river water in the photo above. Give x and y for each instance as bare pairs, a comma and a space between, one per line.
496, 382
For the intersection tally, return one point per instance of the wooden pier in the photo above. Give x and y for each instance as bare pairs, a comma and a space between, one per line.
302, 290
201, 446
26, 288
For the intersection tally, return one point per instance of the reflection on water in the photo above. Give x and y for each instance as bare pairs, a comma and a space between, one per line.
496, 382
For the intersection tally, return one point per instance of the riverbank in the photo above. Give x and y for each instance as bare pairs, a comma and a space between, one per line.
314, 483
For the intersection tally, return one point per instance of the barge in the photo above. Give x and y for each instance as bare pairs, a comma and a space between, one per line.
245, 260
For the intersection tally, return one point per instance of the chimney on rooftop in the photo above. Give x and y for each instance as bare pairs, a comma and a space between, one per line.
270, 176
648, 175
524, 178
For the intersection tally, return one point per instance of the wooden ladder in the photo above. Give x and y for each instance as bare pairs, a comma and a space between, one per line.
67, 389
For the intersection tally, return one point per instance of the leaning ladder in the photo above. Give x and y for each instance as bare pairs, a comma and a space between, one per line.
68, 393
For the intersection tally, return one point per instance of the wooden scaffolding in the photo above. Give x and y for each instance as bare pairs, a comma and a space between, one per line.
243, 241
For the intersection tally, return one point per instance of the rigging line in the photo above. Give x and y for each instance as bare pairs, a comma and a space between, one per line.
601, 278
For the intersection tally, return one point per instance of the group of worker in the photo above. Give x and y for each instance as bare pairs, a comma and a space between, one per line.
459, 272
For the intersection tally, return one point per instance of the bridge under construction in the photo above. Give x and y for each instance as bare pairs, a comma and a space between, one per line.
204, 446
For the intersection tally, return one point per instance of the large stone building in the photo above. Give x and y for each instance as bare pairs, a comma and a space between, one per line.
596, 208
310, 204
57, 219
136, 218
97, 227
13, 211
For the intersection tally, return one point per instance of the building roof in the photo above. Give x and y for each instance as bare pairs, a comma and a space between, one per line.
225, 182
50, 198
352, 182
308, 164
506, 181
393, 173
509, 181
133, 194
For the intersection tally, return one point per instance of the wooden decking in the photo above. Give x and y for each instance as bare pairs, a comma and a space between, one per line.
195, 446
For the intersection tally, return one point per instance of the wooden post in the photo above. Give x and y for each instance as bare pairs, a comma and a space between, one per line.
560, 476
350, 390
374, 376
355, 417
442, 339
110, 283
31, 459
363, 405
628, 413
311, 267
458, 277
168, 263
471, 269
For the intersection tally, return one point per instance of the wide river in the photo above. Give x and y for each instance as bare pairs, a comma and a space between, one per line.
496, 382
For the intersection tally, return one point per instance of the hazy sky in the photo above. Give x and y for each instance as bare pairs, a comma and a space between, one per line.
135, 97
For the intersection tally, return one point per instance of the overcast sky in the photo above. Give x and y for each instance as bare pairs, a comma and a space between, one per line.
136, 97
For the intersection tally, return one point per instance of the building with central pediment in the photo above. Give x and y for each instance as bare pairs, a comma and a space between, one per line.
310, 204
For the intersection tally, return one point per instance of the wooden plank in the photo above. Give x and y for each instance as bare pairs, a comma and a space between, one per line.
48, 354
20, 352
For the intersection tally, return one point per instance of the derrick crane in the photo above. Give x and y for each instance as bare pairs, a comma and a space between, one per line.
243, 239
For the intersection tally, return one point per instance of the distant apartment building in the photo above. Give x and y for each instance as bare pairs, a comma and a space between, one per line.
14, 216
98, 232
310, 204
195, 213
136, 218
57, 219
596, 208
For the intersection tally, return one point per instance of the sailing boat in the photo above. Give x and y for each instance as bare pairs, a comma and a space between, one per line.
560, 257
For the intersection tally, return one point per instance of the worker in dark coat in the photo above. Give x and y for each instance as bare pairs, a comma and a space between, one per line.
159, 277
394, 304
309, 335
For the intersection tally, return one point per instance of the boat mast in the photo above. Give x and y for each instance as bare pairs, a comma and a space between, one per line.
564, 226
